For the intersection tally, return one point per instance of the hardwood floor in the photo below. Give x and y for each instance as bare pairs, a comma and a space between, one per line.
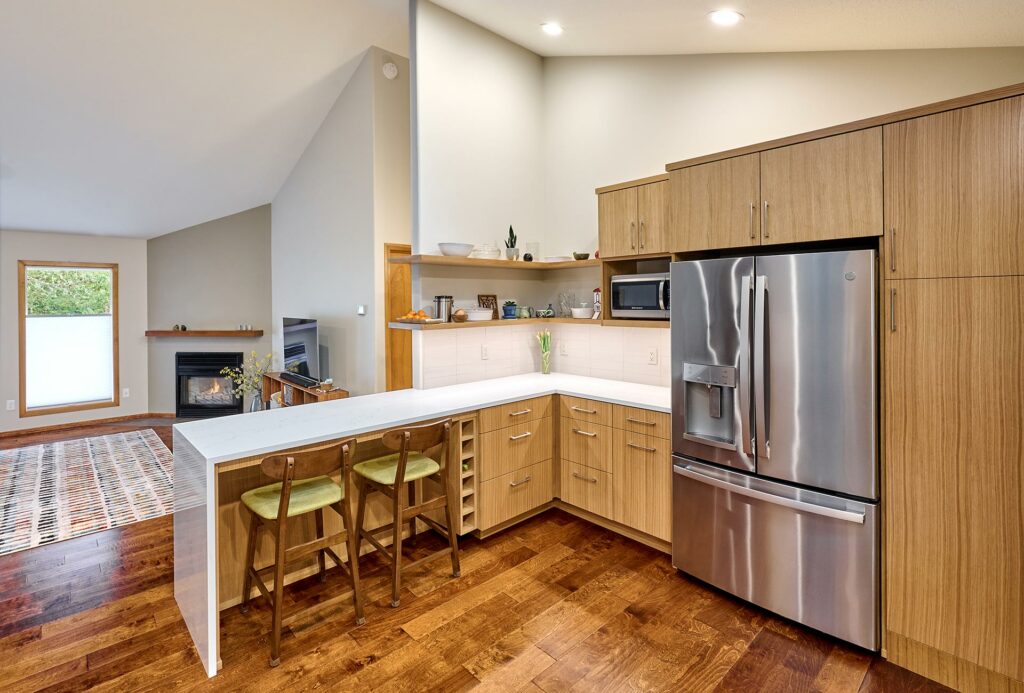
552, 604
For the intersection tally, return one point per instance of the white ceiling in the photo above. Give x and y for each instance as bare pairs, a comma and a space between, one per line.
667, 27
140, 117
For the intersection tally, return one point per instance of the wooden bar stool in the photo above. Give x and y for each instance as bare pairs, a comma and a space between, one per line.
391, 473
304, 487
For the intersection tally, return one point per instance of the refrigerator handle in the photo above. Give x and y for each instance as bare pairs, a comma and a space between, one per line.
757, 494
761, 382
744, 381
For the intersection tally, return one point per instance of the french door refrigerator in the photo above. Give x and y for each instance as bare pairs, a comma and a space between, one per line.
774, 434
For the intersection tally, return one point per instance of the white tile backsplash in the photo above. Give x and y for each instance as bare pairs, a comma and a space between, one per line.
448, 357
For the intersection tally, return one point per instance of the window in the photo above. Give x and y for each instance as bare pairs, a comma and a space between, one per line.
68, 333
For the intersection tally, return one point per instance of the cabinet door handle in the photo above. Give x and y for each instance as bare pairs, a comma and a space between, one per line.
520, 413
521, 436
584, 433
642, 447
520, 483
892, 310
585, 411
751, 221
641, 234
632, 235
585, 478
892, 249
764, 220
630, 419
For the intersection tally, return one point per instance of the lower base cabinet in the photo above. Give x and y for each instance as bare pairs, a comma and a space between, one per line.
587, 488
515, 493
642, 489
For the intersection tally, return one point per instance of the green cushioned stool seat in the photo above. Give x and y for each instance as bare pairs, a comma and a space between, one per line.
384, 469
307, 495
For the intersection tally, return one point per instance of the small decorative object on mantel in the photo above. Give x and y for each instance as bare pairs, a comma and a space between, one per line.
180, 328
511, 251
544, 339
488, 301
508, 310
249, 379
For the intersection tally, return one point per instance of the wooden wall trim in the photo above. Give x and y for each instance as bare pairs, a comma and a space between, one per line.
83, 424
874, 121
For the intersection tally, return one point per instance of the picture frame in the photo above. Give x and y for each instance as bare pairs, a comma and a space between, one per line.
489, 301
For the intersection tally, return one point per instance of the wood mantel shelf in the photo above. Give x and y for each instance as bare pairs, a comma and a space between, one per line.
204, 333
452, 261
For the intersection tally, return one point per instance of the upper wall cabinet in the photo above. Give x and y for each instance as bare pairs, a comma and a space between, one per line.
715, 205
824, 189
633, 220
954, 188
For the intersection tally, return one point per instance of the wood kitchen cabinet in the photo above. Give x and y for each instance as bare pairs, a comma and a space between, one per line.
633, 220
715, 205
824, 189
642, 487
954, 191
954, 469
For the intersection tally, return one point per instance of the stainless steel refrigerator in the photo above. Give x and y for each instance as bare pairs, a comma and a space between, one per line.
775, 434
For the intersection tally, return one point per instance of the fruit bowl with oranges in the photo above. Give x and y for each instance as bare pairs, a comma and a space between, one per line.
418, 317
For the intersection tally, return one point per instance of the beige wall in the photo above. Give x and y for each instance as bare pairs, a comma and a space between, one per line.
211, 276
130, 256
329, 226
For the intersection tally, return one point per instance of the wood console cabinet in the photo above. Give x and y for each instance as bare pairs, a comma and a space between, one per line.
632, 219
293, 394
954, 474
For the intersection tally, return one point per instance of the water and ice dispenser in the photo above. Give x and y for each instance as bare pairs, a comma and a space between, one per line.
709, 399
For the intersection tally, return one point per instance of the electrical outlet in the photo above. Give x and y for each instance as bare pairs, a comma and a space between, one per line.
652, 356
483, 352
126, 393
10, 405
563, 349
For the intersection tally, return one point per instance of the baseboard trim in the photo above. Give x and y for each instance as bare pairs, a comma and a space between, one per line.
82, 424
629, 532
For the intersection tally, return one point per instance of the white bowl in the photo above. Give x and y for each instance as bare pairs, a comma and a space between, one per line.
456, 249
478, 314
582, 313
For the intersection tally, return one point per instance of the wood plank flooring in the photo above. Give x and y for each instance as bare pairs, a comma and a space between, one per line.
553, 604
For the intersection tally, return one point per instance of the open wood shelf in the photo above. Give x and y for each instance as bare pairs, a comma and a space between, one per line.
204, 333
484, 323
452, 261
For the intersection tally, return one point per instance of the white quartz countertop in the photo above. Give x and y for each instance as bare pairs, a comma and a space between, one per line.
259, 433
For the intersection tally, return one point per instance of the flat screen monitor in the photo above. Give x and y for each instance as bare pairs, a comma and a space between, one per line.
302, 347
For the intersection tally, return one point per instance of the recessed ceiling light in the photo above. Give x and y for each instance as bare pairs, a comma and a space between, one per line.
725, 17
552, 28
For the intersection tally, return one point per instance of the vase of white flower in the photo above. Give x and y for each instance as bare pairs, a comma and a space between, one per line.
248, 380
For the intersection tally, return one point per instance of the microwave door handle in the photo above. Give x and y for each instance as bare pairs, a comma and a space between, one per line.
661, 294
761, 365
744, 381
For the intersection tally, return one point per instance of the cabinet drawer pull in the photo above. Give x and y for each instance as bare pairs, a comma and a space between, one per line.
520, 413
630, 419
585, 478
521, 436
584, 433
642, 447
582, 410
520, 483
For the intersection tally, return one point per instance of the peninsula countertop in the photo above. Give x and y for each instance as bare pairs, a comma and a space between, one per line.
246, 435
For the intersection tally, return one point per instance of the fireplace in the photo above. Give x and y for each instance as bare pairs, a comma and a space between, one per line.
201, 390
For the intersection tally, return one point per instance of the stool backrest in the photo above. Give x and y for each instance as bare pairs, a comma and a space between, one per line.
308, 464
418, 439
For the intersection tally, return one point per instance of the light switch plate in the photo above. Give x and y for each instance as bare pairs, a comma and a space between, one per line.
126, 393
10, 405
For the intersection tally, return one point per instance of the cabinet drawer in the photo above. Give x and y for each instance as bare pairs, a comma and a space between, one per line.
587, 443
645, 421
514, 447
587, 410
504, 415
587, 488
512, 494
642, 468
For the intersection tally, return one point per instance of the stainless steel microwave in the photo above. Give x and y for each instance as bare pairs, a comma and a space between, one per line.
640, 296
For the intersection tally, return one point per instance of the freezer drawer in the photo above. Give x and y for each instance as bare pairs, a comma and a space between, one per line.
808, 556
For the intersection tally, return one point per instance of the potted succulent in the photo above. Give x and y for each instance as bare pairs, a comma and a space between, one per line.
508, 310
511, 251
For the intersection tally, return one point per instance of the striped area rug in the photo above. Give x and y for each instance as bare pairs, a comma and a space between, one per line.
57, 491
